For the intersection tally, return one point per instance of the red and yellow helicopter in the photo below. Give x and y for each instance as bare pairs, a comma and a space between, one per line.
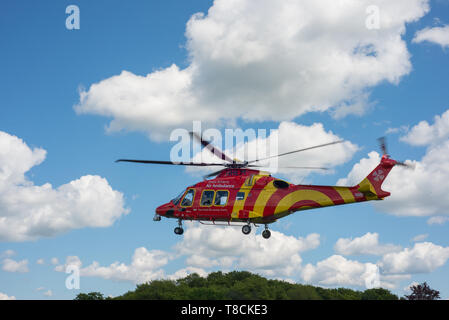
239, 193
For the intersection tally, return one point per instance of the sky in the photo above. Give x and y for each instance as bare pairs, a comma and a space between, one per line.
74, 98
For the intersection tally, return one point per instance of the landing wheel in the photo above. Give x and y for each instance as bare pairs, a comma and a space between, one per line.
179, 230
266, 233
246, 229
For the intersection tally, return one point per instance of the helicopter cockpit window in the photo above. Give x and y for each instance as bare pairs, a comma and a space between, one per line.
176, 200
240, 196
188, 198
221, 198
207, 197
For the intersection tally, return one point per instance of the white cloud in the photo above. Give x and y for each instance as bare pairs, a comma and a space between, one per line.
339, 271
7, 253
182, 273
69, 261
146, 265
438, 35
4, 296
367, 244
40, 261
206, 248
424, 257
228, 247
29, 212
361, 170
437, 220
426, 134
209, 248
420, 237
407, 289
393, 267
11, 265
48, 293
312, 56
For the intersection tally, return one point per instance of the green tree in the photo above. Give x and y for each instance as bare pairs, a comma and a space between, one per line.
238, 285
90, 296
378, 294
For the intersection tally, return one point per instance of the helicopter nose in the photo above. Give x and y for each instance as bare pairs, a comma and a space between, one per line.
161, 210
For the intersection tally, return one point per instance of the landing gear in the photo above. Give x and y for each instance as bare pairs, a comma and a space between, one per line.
266, 233
179, 230
246, 229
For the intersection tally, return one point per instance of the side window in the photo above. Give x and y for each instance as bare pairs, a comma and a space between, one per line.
188, 198
221, 198
207, 197
240, 196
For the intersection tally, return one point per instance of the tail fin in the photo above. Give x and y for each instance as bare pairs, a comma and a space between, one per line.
371, 186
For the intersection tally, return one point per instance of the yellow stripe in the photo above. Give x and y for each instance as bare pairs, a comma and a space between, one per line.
368, 190
346, 194
263, 197
238, 205
299, 195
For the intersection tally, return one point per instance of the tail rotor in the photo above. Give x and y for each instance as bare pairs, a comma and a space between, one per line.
383, 147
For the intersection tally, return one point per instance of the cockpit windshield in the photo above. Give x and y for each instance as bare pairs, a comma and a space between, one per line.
176, 200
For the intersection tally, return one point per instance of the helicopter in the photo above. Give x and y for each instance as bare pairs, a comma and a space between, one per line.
240, 193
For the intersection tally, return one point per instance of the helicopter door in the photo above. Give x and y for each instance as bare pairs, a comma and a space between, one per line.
187, 202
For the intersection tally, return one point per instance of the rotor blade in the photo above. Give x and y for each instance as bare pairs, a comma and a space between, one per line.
217, 152
403, 164
290, 167
201, 164
299, 150
383, 145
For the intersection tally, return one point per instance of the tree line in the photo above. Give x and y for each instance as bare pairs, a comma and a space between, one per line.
243, 285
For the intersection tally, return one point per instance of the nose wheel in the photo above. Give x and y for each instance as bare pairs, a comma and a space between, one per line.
179, 230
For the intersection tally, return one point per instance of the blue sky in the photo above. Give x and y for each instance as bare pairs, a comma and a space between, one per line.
45, 67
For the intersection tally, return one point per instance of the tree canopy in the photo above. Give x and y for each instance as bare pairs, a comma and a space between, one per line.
239, 285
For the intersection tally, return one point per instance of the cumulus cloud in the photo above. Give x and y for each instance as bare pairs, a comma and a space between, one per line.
420, 237
367, 244
205, 249
438, 35
11, 265
424, 133
424, 257
4, 296
437, 220
228, 247
312, 56
339, 271
396, 264
210, 248
146, 265
29, 212
7, 253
